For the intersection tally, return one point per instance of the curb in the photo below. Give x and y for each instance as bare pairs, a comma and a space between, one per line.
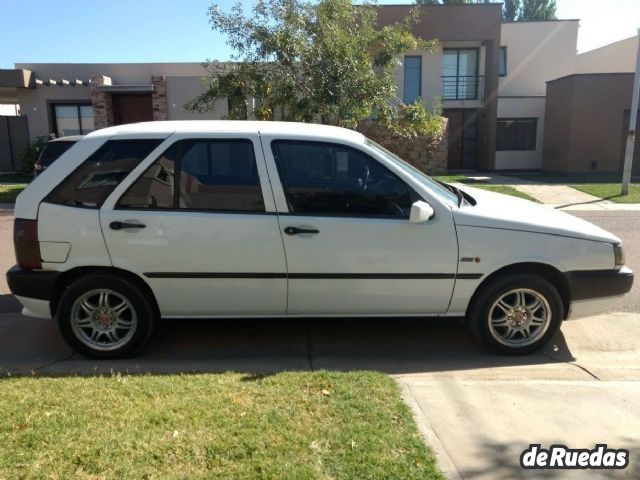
445, 463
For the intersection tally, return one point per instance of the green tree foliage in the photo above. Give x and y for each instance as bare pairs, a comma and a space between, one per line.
325, 61
538, 10
512, 10
30, 154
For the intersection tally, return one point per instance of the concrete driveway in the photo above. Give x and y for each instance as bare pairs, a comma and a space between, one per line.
478, 411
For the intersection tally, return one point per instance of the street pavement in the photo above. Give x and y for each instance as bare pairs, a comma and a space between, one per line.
477, 410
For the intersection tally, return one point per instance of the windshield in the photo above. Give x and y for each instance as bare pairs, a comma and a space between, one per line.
426, 180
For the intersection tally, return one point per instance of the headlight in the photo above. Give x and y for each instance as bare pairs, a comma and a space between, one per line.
618, 255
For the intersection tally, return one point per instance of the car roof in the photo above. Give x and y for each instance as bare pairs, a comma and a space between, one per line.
69, 138
230, 126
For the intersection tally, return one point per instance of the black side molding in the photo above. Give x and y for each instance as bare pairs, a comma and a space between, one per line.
331, 276
32, 283
588, 284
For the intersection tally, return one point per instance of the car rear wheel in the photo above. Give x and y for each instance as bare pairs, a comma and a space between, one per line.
516, 314
105, 316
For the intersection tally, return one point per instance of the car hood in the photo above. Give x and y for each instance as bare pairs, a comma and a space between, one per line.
495, 210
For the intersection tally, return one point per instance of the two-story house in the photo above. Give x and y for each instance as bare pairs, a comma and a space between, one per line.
489, 77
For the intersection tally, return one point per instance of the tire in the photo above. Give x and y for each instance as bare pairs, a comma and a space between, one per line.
105, 316
506, 310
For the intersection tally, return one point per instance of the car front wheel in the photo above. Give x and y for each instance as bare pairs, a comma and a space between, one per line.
105, 316
517, 314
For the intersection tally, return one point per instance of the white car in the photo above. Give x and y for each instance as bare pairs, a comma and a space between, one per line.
265, 219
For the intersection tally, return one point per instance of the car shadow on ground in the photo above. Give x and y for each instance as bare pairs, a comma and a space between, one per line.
390, 345
503, 462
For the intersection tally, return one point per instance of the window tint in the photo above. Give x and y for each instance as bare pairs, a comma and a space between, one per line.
219, 175
155, 187
328, 179
92, 182
54, 150
516, 134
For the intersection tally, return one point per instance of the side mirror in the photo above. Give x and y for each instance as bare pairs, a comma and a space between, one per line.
421, 212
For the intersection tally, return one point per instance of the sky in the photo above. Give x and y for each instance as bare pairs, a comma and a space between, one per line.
103, 31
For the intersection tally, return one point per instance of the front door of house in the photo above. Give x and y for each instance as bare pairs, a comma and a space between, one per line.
128, 108
463, 138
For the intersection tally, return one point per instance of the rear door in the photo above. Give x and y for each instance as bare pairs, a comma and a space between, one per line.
198, 224
350, 247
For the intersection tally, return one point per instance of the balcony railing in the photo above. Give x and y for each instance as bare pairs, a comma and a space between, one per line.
462, 87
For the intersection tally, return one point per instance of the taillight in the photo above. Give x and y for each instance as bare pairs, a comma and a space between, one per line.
25, 242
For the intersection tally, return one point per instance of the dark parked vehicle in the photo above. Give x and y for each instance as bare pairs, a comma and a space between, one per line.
54, 150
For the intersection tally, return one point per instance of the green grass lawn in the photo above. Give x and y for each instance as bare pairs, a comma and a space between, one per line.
453, 179
291, 425
504, 189
8, 193
611, 192
16, 177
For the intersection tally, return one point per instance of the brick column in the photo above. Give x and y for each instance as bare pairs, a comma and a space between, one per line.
101, 101
159, 98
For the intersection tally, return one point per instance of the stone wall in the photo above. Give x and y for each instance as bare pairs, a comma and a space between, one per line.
159, 98
101, 101
427, 154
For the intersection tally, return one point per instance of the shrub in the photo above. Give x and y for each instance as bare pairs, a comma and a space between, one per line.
31, 153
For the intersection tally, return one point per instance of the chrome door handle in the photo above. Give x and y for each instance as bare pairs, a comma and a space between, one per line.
296, 230
122, 225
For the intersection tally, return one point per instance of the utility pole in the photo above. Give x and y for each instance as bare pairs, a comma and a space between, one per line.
631, 135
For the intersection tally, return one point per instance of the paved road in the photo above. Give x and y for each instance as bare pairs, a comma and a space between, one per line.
478, 410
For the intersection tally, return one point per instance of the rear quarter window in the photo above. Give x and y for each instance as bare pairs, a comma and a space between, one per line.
92, 182
54, 150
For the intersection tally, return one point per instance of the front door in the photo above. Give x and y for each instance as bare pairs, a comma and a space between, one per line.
350, 247
199, 226
128, 108
463, 138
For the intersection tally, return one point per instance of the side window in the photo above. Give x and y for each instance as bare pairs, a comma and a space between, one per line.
329, 179
155, 187
91, 183
218, 175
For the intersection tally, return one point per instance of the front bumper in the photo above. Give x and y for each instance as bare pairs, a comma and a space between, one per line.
596, 291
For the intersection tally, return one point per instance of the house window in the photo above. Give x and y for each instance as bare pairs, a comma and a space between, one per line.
516, 134
460, 79
72, 119
502, 69
412, 78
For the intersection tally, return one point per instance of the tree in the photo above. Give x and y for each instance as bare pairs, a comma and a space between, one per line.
538, 10
512, 10
310, 61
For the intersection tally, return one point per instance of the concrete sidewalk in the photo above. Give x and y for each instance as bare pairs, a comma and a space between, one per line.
480, 420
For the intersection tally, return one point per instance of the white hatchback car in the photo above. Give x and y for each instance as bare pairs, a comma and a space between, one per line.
266, 219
